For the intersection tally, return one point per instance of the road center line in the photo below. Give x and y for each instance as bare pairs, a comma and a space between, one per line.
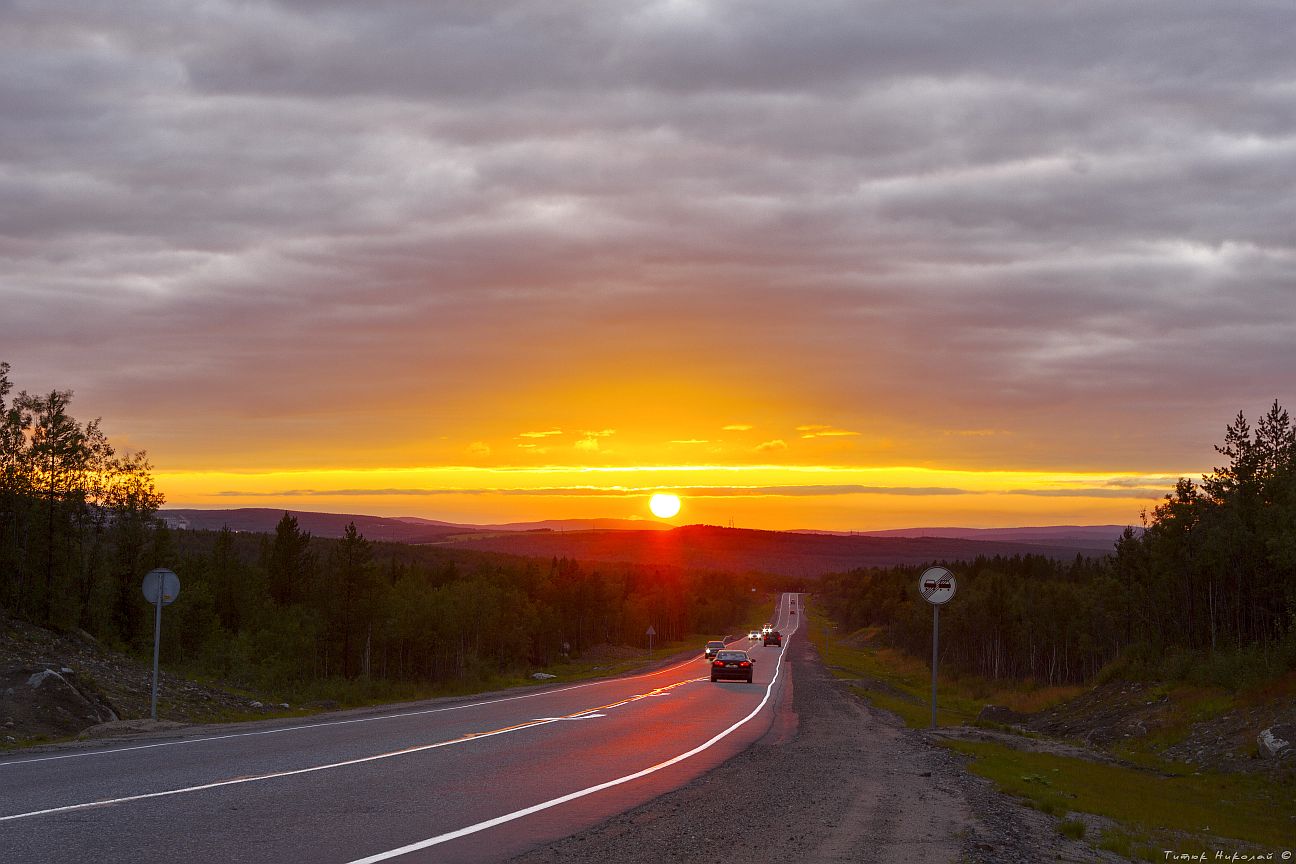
586, 713
205, 739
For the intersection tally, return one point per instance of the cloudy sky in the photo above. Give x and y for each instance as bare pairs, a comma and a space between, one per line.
842, 265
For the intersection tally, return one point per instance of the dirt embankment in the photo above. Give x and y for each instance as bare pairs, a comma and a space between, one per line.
833, 780
56, 685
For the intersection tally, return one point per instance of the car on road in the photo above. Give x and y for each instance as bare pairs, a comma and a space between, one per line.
754, 635
773, 637
732, 664
711, 648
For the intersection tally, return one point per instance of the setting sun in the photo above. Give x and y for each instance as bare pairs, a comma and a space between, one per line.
664, 506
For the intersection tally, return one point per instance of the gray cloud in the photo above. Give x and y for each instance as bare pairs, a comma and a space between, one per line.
1068, 222
620, 492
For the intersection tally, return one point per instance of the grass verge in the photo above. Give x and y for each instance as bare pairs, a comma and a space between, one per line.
1156, 805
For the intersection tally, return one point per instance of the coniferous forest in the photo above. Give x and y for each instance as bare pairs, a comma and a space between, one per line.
292, 612
1206, 588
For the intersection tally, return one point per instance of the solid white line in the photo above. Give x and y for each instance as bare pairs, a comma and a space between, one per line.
572, 796
237, 780
205, 739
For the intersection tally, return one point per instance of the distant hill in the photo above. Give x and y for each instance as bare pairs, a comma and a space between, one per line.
262, 520
556, 525
786, 553
1100, 538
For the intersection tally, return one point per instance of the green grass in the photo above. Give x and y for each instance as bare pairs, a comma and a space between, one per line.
906, 683
1158, 805
1241, 807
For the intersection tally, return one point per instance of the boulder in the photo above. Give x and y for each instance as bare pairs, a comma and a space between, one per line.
1277, 742
1001, 716
46, 700
542, 676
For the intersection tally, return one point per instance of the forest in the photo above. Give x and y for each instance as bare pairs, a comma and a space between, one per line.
292, 613
1207, 587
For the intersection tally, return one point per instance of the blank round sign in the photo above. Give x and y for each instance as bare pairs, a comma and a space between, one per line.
164, 581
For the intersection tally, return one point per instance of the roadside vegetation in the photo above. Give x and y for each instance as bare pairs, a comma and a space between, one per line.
1204, 594
1147, 805
305, 618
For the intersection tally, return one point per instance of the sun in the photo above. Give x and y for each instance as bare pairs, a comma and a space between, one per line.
664, 506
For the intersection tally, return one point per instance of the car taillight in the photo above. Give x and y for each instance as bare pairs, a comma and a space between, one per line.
718, 663
745, 663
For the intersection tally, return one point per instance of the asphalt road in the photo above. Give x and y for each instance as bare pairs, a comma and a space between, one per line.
445, 780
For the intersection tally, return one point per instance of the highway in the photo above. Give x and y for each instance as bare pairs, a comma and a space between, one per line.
464, 780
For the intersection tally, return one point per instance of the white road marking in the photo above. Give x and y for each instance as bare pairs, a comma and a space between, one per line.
572, 796
205, 739
463, 739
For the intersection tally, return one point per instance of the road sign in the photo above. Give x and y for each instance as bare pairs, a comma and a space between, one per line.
937, 585
161, 588
650, 631
161, 581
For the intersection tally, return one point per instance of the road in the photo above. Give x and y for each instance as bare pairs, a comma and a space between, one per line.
445, 781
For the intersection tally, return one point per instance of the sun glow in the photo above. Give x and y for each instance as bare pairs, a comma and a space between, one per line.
664, 506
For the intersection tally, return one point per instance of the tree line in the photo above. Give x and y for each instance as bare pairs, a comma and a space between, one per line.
76, 517
1209, 581
292, 612
296, 613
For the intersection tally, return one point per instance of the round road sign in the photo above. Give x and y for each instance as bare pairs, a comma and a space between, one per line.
937, 585
161, 581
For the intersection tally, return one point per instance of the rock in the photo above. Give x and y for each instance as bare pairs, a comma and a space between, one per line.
283, 705
41, 701
1001, 716
542, 676
1276, 742
257, 705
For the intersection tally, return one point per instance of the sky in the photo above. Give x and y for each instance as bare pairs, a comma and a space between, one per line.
815, 265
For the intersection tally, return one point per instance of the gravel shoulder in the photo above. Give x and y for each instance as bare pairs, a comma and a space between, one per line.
832, 781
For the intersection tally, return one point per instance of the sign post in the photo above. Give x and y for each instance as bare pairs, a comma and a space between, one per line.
161, 587
650, 633
937, 586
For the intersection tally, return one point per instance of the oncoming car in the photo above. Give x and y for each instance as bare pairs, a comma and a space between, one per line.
732, 664
711, 648
754, 635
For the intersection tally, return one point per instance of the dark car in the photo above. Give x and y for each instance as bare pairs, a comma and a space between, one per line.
732, 664
711, 648
773, 637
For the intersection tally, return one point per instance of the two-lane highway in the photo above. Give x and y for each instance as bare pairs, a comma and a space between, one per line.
460, 781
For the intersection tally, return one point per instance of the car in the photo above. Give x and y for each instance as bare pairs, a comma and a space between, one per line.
711, 648
734, 664
773, 637
792, 612
754, 635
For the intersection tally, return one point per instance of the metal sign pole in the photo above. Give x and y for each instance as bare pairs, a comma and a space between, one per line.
936, 585
935, 656
157, 645
161, 587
